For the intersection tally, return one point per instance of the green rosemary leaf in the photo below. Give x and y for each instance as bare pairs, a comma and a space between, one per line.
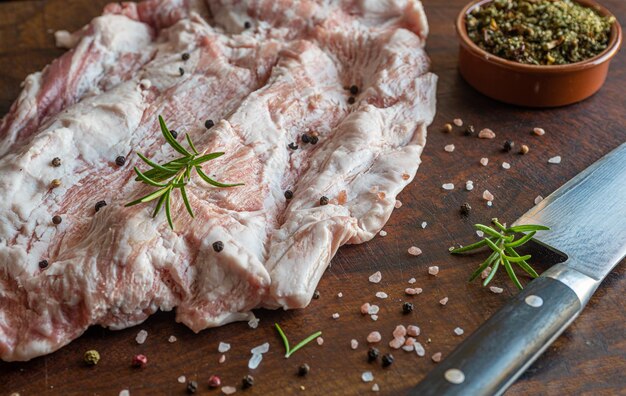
527, 228
158, 206
514, 259
493, 246
484, 265
523, 264
168, 213
284, 338
213, 182
149, 197
488, 230
186, 201
494, 269
521, 241
509, 270
147, 180
191, 144
155, 165
467, 248
170, 139
205, 158
304, 342
497, 223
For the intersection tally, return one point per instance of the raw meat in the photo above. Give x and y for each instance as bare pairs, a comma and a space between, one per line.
264, 86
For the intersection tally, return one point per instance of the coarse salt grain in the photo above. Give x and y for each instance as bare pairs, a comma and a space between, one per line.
228, 390
424, 224
381, 295
539, 131
182, 379
449, 148
414, 251
254, 361
496, 289
124, 392
254, 323
480, 233
485, 273
448, 186
506, 165
419, 349
484, 161
538, 199
172, 339
443, 301
489, 203
469, 185
486, 133
434, 270
399, 331
487, 196
222, 359
223, 347
374, 317
458, 331
376, 277
336, 315
436, 357
398, 204
373, 309
263, 348
555, 160
458, 122
373, 337
382, 233
412, 280
365, 308
354, 344
413, 330
412, 291
141, 336
319, 340
340, 294
375, 388
407, 348
397, 342
367, 376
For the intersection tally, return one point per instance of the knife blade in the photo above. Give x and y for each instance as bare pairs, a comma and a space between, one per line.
587, 217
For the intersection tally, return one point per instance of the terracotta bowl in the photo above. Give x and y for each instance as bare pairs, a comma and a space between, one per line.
532, 85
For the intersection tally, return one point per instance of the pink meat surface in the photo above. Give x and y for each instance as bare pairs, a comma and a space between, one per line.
264, 86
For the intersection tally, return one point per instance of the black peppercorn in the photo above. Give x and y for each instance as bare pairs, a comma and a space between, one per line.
247, 25
288, 194
43, 264
192, 387
351, 100
185, 56
208, 124
247, 381
323, 201
56, 161
174, 133
293, 146
120, 160
100, 205
305, 138
465, 209
354, 90
303, 370
181, 71
314, 139
470, 131
218, 246
316, 294
57, 220
508, 145
387, 360
372, 354
407, 307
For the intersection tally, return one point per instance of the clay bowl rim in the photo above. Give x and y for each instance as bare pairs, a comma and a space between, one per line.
613, 46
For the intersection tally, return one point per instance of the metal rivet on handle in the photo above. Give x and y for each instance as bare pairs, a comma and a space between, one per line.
534, 301
454, 376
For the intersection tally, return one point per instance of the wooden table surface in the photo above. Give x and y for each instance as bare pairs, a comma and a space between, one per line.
588, 359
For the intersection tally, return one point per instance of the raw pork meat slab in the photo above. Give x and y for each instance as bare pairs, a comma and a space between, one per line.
266, 72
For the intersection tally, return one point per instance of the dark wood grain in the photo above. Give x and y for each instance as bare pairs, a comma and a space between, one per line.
589, 359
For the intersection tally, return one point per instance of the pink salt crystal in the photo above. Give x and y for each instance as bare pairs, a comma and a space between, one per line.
449, 148
396, 343
458, 122
538, 199
484, 161
485, 273
407, 348
319, 340
374, 336
539, 131
373, 309
409, 341
182, 379
487, 196
436, 357
382, 233
374, 317
412, 280
376, 277
222, 359
354, 344
398, 204
413, 330
413, 291
434, 270
365, 308
381, 294
506, 165
228, 390
496, 289
415, 251
399, 331
486, 134
443, 301
336, 315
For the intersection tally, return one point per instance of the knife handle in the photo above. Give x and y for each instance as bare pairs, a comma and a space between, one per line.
491, 358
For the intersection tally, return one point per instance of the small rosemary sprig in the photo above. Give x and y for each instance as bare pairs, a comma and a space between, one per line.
290, 351
174, 174
502, 242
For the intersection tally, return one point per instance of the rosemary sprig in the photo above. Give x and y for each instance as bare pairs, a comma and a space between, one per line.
174, 174
290, 351
501, 240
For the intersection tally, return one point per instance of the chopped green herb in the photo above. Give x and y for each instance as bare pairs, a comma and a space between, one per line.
290, 351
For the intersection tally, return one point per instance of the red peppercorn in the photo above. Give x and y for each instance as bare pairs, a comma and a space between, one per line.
140, 361
214, 381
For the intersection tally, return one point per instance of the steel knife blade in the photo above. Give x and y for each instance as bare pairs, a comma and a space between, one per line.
587, 217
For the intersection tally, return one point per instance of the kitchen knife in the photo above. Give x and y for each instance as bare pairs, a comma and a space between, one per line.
587, 217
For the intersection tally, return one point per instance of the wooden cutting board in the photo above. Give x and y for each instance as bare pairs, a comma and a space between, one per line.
589, 358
